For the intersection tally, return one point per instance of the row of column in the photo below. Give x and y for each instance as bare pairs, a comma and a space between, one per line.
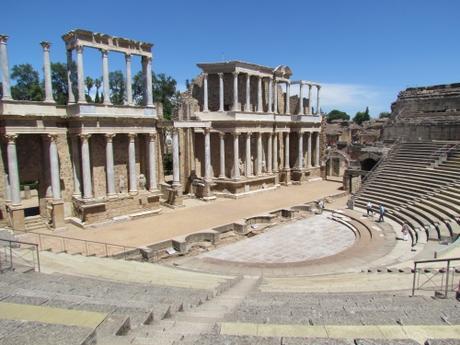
110, 172
272, 95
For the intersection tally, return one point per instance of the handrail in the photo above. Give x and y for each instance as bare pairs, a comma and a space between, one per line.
443, 150
393, 147
10, 244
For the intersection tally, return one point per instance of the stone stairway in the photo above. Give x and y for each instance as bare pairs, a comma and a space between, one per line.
35, 223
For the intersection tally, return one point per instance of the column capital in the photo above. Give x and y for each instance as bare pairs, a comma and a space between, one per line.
220, 74
3, 39
109, 136
236, 134
248, 134
45, 45
128, 56
235, 73
221, 134
84, 136
207, 130
152, 136
318, 86
52, 137
147, 58
205, 74
11, 138
79, 48
132, 136
104, 52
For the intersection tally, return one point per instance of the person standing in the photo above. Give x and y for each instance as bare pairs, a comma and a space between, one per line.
321, 206
369, 209
382, 213
405, 231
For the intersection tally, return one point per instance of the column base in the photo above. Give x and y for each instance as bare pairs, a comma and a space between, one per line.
203, 189
297, 176
285, 177
57, 214
174, 197
17, 217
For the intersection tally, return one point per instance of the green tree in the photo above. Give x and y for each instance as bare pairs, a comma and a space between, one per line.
384, 114
1, 90
27, 87
97, 84
60, 83
117, 87
362, 116
337, 115
89, 82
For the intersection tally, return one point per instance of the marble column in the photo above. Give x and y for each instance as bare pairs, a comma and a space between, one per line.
317, 150
6, 85
270, 95
86, 167
236, 154
301, 99
105, 76
71, 96
309, 150
259, 154
75, 166
269, 153
260, 108
318, 111
300, 151
288, 97
235, 91
286, 152
275, 152
148, 80
13, 171
247, 105
207, 154
47, 72
54, 167
221, 91
129, 81
132, 163
152, 161
275, 97
309, 99
222, 155
248, 167
205, 92
109, 165
176, 162
81, 76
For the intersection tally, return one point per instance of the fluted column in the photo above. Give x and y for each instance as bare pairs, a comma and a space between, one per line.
269, 153
205, 92
109, 166
176, 162
105, 76
13, 171
132, 163
259, 154
6, 86
221, 91
317, 100
86, 167
260, 108
270, 95
275, 97
235, 91
147, 71
207, 154
129, 81
75, 166
309, 99
248, 168
71, 96
81, 76
300, 151
222, 155
317, 150
247, 105
288, 97
286, 152
275, 153
47, 72
152, 161
236, 154
309, 160
54, 167
301, 99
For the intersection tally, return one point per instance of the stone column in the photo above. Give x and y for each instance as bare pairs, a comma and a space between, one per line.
105, 76
47, 72
275, 99
309, 99
5, 69
269, 153
54, 167
317, 150
81, 76
152, 161
286, 152
300, 151
147, 70
221, 91
132, 163
75, 166
275, 153
235, 91
13, 171
309, 150
288, 97
205, 92
109, 166
86, 167
301, 99
247, 105
222, 155
260, 108
270, 95
236, 154
317, 100
71, 96
129, 82
176, 162
207, 154
259, 154
248, 167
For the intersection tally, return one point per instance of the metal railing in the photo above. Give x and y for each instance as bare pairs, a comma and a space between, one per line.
14, 254
439, 279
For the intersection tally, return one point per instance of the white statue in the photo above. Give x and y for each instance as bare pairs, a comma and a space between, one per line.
142, 181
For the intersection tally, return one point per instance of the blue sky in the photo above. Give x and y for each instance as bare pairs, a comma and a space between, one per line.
363, 52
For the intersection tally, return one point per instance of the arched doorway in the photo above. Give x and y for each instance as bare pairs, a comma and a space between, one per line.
368, 163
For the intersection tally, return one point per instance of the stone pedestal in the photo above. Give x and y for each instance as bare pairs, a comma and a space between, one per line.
297, 176
203, 190
285, 177
17, 218
57, 214
174, 197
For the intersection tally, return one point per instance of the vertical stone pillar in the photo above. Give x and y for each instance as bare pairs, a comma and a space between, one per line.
147, 70
47, 72
318, 111
288, 97
260, 108
270, 95
259, 154
309, 150
71, 96
317, 150
309, 99
5, 68
75, 166
247, 105
301, 99
248, 167
105, 76
132, 163
81, 76
286, 152
236, 154
6, 181
269, 153
207, 154
176, 162
275, 152
222, 155
235, 91
109, 166
13, 171
54, 167
275, 97
205, 92
129, 81
152, 161
86, 167
300, 151
221, 91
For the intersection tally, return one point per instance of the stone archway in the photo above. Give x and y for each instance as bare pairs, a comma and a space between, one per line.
336, 162
368, 160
